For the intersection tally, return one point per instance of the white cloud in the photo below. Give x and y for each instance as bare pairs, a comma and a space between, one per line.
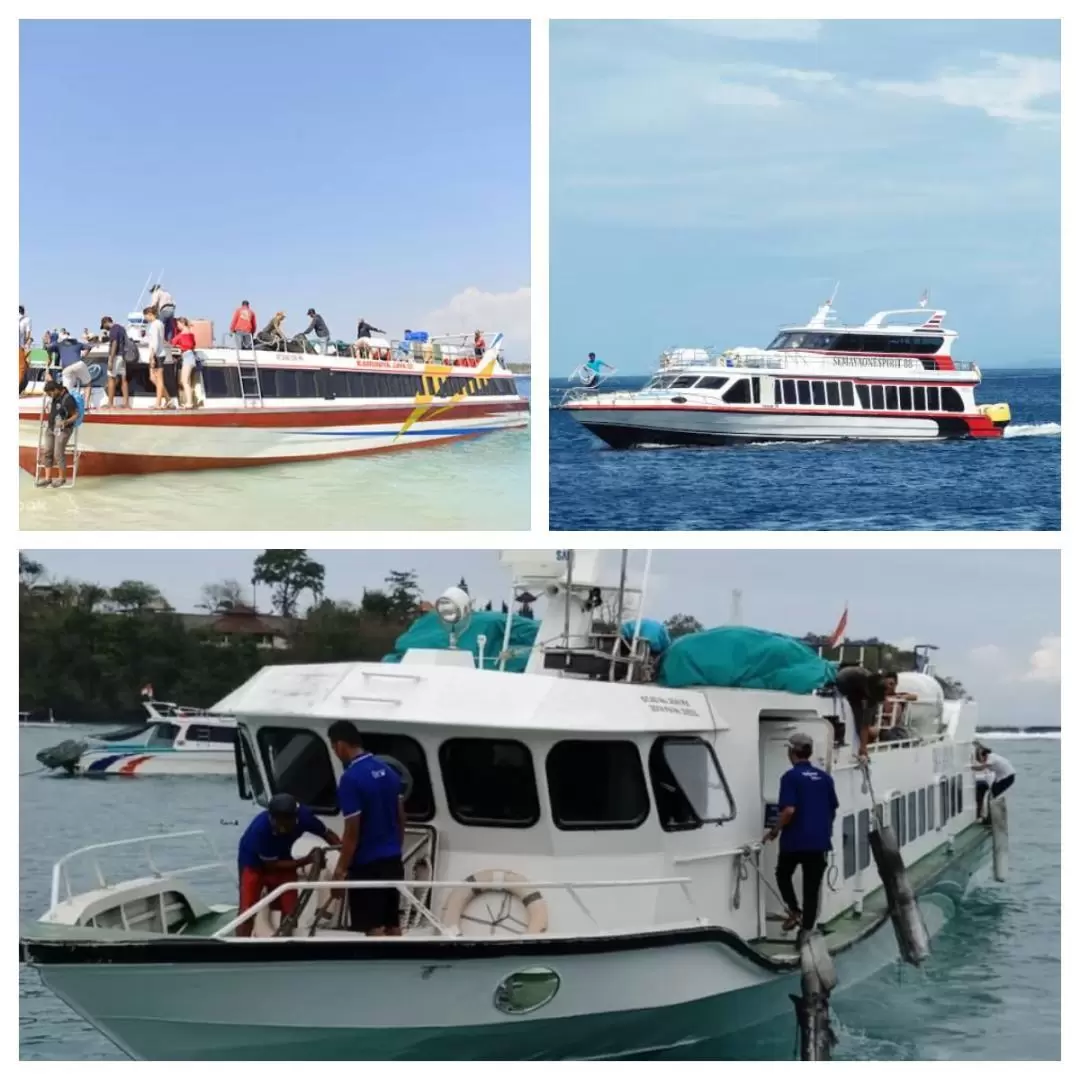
1044, 664
1008, 89
473, 309
752, 29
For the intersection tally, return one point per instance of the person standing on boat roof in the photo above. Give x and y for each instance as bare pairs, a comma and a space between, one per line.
116, 367
593, 369
243, 325
322, 331
162, 302
365, 329
479, 345
371, 801
1000, 768
265, 854
808, 806
63, 412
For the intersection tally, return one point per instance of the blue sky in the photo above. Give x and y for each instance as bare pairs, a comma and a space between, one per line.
712, 180
376, 169
954, 599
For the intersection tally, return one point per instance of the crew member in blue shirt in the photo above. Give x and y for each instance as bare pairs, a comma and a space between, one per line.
373, 806
265, 856
808, 807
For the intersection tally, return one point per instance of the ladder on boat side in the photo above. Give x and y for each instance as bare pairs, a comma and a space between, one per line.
250, 380
72, 447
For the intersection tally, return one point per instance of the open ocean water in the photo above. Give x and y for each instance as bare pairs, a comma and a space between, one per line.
1010, 483
478, 483
991, 989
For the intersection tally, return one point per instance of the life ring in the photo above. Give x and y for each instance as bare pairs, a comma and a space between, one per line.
498, 881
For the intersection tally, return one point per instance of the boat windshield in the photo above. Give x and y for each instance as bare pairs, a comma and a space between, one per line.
900, 344
660, 382
163, 734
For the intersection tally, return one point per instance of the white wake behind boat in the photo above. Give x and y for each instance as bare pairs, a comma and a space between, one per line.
892, 377
584, 868
175, 741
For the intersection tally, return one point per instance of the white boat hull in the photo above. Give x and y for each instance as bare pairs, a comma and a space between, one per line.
148, 762
611, 1002
627, 425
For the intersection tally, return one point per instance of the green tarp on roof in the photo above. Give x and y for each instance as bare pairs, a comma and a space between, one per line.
428, 632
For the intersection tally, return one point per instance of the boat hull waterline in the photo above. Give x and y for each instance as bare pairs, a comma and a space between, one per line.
612, 1001
142, 441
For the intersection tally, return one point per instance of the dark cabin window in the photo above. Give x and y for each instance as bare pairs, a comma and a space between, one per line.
790, 394
248, 777
403, 750
959, 794
905, 397
864, 395
952, 796
804, 392
864, 839
919, 393
913, 815
818, 390
755, 389
932, 401
688, 784
298, 762
164, 734
832, 393
683, 381
898, 805
847, 833
713, 382
877, 396
891, 402
943, 787
490, 782
596, 785
951, 401
738, 393
930, 808
922, 811
847, 394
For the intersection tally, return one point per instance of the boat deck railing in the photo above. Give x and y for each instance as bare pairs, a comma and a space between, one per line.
61, 889
426, 917
782, 360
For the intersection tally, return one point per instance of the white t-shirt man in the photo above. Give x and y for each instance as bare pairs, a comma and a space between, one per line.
999, 766
25, 332
155, 338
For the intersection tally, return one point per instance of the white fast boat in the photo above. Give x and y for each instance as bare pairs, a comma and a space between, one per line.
175, 741
261, 406
584, 868
893, 377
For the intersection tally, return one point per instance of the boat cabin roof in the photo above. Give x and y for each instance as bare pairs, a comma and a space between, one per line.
427, 690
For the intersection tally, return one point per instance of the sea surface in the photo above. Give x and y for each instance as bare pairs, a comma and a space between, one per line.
991, 989
1010, 483
478, 483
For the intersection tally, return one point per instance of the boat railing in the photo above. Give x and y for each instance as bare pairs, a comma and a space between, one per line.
423, 911
61, 873
783, 360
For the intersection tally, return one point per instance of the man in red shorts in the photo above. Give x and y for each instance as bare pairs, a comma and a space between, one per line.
265, 854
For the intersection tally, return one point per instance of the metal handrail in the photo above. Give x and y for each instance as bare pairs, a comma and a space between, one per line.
403, 887
60, 867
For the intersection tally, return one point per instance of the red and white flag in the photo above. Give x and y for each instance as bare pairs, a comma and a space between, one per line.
838, 634
925, 298
147, 691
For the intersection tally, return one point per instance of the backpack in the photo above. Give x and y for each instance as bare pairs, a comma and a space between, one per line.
131, 351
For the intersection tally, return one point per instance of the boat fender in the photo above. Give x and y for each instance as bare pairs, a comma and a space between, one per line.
999, 836
911, 934
64, 755
498, 881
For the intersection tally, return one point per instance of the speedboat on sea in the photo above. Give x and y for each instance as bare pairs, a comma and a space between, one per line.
892, 377
174, 740
584, 869
267, 405
26, 721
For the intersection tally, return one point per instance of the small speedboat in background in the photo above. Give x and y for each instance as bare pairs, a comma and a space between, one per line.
26, 721
175, 740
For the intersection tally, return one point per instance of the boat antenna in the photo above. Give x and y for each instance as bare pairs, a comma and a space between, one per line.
640, 614
832, 298
146, 285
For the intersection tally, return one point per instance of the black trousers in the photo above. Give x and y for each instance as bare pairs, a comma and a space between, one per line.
1001, 786
813, 865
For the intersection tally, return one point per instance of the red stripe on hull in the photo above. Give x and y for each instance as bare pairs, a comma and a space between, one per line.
129, 768
92, 463
261, 417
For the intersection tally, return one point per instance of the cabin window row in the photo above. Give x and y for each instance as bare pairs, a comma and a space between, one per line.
224, 382
899, 344
871, 396
911, 816
591, 784
740, 391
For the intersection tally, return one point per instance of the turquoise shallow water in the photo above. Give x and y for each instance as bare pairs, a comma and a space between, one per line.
991, 990
474, 484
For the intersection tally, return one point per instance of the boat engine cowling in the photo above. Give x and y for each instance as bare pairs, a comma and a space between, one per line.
64, 755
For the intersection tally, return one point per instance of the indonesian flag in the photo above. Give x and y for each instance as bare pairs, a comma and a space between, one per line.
925, 298
837, 635
147, 691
